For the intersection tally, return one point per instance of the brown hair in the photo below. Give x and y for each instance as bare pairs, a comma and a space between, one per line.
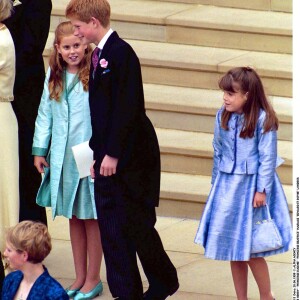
84, 10
32, 237
6, 8
58, 65
246, 80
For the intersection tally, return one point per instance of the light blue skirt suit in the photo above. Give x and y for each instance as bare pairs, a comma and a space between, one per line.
59, 126
241, 168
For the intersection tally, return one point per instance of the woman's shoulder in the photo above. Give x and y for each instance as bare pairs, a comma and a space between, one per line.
50, 287
14, 275
11, 284
55, 288
48, 279
6, 45
5, 37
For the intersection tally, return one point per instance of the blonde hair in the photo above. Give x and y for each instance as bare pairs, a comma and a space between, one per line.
84, 10
58, 65
32, 237
6, 8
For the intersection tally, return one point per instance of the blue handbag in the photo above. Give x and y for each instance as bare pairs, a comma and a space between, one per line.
265, 234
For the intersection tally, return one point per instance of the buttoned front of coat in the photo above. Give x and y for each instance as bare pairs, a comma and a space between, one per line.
52, 132
236, 155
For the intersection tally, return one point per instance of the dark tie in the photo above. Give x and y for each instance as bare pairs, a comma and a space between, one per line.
95, 57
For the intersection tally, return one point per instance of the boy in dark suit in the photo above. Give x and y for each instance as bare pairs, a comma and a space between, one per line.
127, 160
29, 26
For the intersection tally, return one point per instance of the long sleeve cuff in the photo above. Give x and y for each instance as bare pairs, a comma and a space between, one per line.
39, 151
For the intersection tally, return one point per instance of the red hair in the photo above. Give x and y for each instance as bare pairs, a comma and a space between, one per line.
58, 65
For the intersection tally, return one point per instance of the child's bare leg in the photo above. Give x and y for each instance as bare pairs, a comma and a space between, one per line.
239, 270
94, 251
261, 275
79, 249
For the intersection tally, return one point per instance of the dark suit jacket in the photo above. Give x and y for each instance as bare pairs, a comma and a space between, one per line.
29, 26
120, 126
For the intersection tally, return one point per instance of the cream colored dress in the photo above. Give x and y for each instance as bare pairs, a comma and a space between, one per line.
9, 159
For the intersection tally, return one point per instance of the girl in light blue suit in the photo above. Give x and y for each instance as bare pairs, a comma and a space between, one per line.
244, 178
64, 121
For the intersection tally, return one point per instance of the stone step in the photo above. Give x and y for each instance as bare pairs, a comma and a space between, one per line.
195, 109
194, 24
192, 152
184, 195
267, 5
201, 67
204, 25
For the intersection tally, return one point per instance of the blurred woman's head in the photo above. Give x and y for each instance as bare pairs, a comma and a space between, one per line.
28, 241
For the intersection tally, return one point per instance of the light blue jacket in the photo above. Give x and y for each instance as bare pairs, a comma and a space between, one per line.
235, 155
51, 135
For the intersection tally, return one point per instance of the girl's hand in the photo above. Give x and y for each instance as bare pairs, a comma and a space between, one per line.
259, 199
108, 166
40, 162
92, 170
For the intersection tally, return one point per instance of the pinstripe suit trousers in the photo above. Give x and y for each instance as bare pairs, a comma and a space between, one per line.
127, 231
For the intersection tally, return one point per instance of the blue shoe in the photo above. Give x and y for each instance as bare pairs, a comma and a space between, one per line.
97, 290
71, 293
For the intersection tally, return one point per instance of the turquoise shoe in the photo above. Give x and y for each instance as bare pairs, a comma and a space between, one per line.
97, 290
71, 293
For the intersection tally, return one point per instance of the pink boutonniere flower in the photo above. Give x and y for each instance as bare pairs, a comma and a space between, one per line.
103, 63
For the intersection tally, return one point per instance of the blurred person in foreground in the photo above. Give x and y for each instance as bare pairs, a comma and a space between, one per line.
27, 245
9, 169
29, 26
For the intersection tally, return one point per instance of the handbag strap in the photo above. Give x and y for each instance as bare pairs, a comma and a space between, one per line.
268, 211
262, 212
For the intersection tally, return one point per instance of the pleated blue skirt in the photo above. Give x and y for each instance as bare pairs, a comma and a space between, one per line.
225, 229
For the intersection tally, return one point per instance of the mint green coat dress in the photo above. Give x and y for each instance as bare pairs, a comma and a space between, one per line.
59, 126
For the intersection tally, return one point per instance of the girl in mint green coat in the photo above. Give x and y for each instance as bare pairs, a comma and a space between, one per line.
63, 121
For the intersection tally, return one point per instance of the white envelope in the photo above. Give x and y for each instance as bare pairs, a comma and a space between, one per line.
83, 156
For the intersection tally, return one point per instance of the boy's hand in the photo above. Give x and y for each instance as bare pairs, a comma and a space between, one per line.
259, 199
108, 166
40, 162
